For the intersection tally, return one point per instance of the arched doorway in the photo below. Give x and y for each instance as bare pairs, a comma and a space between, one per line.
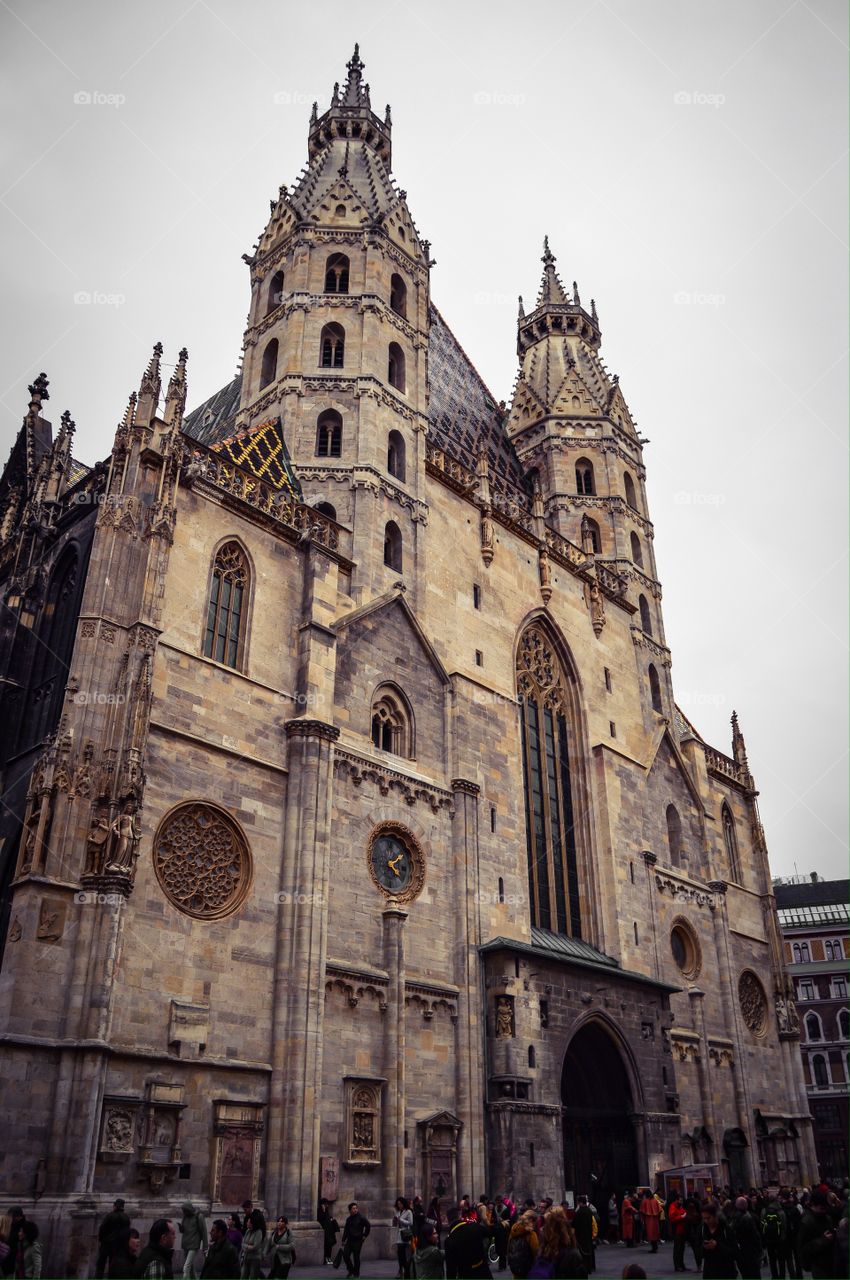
600, 1152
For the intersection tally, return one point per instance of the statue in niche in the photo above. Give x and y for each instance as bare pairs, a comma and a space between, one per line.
96, 842
126, 835
504, 1018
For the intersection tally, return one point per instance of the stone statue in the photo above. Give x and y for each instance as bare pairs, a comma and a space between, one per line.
781, 1013
126, 835
97, 837
597, 608
504, 1018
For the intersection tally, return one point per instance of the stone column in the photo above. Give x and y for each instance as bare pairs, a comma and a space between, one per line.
298, 1001
704, 1063
732, 1019
392, 1143
470, 1052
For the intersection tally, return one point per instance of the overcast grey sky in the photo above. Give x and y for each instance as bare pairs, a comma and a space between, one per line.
688, 160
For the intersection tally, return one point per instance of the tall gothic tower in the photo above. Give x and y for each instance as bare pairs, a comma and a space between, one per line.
337, 335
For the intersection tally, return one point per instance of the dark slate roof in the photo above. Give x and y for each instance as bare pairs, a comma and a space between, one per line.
683, 726
556, 946
222, 409
462, 412
572, 947
820, 893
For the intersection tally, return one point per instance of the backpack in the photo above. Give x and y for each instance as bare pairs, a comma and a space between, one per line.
772, 1227
520, 1256
542, 1267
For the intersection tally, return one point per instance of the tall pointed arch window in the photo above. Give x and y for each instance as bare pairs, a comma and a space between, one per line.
268, 369
674, 836
224, 634
329, 434
547, 727
275, 294
332, 347
731, 843
336, 273
585, 482
392, 722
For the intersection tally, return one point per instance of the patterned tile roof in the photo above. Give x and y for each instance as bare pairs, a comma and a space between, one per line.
213, 420
262, 451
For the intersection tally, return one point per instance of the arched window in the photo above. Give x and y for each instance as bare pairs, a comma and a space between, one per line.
392, 722
797, 953
275, 294
550, 730
392, 546
731, 842
591, 537
224, 634
398, 295
637, 554
54, 648
395, 367
674, 835
645, 619
804, 952
332, 347
532, 1057
269, 366
326, 509
395, 455
819, 1071
629, 486
814, 1030
329, 434
584, 477
844, 1025
336, 273
654, 688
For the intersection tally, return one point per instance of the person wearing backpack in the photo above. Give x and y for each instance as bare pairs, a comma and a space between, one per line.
523, 1245
774, 1233
558, 1255
748, 1239
791, 1209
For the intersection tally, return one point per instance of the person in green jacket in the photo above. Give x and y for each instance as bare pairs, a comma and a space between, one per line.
428, 1258
281, 1249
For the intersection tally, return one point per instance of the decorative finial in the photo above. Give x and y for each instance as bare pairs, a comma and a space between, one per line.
314, 114
576, 298
594, 317
548, 255
38, 389
68, 425
388, 118
521, 308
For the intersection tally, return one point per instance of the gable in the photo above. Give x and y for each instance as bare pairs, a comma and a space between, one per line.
669, 782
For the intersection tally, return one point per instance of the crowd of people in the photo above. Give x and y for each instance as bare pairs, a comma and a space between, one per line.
724, 1235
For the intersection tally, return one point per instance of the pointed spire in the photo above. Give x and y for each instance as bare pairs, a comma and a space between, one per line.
521, 308
739, 747
355, 94
149, 389
388, 116
576, 298
38, 394
314, 117
335, 95
594, 317
175, 398
551, 289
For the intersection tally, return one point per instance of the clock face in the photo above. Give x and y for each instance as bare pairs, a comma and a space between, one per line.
392, 865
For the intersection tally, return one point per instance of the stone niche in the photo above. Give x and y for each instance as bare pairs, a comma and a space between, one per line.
237, 1142
120, 1129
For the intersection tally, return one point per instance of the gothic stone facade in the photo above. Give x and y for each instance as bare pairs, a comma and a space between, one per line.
352, 839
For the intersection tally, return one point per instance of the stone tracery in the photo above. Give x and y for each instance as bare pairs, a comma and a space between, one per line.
202, 860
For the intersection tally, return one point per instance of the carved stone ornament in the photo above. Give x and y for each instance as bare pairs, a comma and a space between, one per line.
753, 1002
202, 860
119, 1124
504, 1017
15, 930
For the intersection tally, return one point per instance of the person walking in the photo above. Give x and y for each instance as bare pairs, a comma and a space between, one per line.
774, 1233
330, 1228
693, 1229
613, 1219
650, 1212
354, 1233
817, 1238
583, 1224
155, 1260
281, 1249
428, 1261
559, 1254
718, 1244
115, 1222
253, 1245
793, 1218
124, 1258
747, 1239
222, 1260
235, 1232
627, 1214
523, 1245
31, 1251
402, 1222
193, 1237
435, 1215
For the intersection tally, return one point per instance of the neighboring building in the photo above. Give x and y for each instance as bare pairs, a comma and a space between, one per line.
352, 837
814, 917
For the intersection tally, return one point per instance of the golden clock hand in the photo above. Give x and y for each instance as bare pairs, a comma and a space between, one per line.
391, 862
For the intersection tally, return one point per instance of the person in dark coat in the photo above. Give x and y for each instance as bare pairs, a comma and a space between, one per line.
222, 1260
428, 1258
817, 1238
329, 1226
16, 1232
748, 1240
155, 1260
583, 1227
718, 1245
124, 1258
354, 1233
465, 1249
114, 1224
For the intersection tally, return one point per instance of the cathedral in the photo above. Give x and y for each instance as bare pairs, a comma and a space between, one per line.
352, 842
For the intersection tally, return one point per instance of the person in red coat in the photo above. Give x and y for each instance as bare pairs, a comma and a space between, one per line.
677, 1213
628, 1211
650, 1212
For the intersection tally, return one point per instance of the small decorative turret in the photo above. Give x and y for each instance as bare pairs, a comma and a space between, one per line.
739, 747
149, 390
175, 397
